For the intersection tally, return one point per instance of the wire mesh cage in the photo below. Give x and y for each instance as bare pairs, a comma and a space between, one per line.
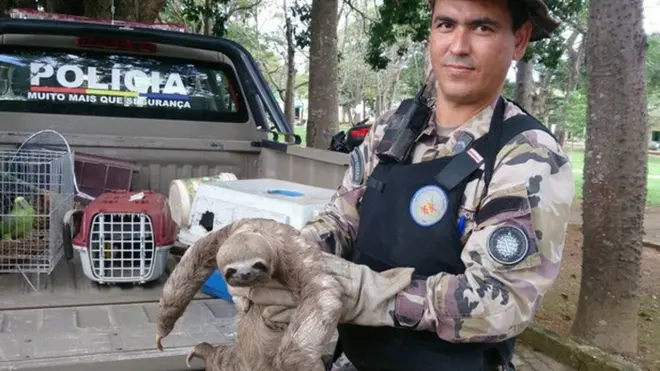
36, 190
122, 247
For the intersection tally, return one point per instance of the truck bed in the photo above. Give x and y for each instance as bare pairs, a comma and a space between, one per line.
68, 286
98, 327
75, 324
72, 323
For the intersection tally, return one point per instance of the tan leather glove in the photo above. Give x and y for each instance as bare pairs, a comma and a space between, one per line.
368, 296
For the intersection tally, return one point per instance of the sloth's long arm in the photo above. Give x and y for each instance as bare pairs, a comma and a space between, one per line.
315, 319
186, 279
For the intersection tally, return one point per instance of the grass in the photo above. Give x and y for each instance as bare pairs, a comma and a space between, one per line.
652, 185
302, 131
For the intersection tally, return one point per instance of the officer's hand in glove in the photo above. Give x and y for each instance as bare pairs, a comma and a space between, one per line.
368, 296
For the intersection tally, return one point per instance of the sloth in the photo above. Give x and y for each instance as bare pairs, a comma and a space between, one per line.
252, 252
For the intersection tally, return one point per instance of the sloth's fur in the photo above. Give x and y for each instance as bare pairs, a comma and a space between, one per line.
251, 252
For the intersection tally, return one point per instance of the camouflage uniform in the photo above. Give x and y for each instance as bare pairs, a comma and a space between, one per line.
490, 301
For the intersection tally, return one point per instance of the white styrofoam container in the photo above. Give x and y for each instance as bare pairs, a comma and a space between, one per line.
284, 201
182, 193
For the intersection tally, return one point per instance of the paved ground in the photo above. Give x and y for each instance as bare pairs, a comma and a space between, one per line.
527, 359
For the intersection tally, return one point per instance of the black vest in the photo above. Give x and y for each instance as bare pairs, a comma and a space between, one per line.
409, 218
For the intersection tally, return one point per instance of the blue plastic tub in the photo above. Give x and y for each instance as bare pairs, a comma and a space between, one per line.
216, 286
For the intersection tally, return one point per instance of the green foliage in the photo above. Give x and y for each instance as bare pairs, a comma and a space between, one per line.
402, 19
358, 82
575, 113
571, 114
263, 48
238, 20
412, 74
653, 80
549, 51
302, 33
195, 13
410, 19
653, 62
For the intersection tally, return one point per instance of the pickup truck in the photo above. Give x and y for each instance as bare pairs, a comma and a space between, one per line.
70, 322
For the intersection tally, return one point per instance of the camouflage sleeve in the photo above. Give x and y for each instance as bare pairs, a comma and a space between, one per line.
512, 255
336, 227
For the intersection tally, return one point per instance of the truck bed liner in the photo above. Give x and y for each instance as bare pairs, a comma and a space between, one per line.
72, 323
93, 337
68, 286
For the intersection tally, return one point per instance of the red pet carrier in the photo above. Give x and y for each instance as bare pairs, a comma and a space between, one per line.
125, 237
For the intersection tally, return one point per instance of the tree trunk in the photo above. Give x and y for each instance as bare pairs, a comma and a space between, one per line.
135, 10
540, 107
290, 94
99, 9
207, 17
149, 10
394, 82
364, 109
323, 91
574, 60
615, 181
525, 85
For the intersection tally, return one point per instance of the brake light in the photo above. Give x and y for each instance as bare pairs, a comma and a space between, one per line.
357, 133
116, 44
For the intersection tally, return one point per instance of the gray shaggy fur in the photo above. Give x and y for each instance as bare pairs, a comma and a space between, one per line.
251, 252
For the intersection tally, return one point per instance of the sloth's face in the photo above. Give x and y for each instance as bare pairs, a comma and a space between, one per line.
246, 273
245, 259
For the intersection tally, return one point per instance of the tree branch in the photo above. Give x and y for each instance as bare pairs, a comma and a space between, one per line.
358, 11
270, 77
236, 9
578, 27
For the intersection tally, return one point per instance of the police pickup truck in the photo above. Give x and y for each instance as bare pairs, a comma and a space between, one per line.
53, 75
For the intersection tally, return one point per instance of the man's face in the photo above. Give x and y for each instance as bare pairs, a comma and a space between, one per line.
472, 44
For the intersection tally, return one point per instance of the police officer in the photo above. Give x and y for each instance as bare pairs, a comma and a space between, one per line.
446, 255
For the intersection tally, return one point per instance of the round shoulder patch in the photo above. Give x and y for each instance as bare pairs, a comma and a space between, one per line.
428, 205
508, 245
356, 161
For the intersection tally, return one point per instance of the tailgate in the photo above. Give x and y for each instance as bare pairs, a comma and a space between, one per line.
108, 337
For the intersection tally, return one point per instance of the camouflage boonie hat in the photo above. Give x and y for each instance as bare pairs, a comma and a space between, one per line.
542, 22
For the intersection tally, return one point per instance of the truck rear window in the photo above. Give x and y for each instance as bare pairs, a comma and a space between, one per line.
80, 82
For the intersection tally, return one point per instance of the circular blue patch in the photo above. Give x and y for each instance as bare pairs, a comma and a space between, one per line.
508, 245
428, 205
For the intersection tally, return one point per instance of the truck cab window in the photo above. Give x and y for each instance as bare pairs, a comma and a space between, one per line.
86, 82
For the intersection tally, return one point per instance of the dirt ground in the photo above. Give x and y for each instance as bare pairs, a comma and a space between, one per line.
652, 224
559, 306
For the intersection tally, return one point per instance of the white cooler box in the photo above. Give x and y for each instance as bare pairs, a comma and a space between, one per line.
286, 202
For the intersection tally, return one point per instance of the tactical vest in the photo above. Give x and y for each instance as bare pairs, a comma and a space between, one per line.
409, 218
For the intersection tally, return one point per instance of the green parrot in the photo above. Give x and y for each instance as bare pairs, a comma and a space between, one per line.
19, 222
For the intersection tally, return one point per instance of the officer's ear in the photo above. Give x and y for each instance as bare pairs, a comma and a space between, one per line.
521, 37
